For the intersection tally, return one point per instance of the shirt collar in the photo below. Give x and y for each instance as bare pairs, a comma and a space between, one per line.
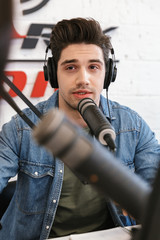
104, 108
53, 102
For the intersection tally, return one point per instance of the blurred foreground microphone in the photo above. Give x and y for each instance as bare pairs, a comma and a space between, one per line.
92, 162
5, 32
97, 122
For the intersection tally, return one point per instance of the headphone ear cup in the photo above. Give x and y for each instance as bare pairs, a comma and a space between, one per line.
111, 72
45, 70
114, 74
107, 75
52, 73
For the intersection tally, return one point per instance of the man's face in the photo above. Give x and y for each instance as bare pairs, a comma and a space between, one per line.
80, 74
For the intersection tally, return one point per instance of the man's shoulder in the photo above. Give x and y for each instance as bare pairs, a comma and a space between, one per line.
118, 109
116, 106
42, 107
51, 102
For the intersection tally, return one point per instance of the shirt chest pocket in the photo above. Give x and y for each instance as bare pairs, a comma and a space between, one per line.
33, 185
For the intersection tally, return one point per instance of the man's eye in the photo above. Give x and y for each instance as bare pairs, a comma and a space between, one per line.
94, 67
70, 67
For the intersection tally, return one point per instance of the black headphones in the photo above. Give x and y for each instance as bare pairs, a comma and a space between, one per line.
50, 70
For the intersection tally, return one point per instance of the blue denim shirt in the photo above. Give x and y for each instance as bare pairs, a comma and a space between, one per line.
31, 212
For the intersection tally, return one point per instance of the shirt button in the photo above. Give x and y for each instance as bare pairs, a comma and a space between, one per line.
54, 201
61, 171
47, 227
36, 173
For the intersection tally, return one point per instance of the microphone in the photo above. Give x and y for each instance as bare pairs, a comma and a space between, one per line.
89, 160
97, 122
5, 32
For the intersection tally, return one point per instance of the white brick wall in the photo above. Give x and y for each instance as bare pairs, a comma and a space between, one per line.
136, 43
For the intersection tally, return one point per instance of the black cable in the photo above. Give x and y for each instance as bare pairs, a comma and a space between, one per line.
109, 112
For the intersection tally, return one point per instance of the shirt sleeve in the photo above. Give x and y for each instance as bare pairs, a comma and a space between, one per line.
9, 148
147, 155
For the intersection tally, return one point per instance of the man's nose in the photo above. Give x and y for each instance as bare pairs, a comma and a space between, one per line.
83, 77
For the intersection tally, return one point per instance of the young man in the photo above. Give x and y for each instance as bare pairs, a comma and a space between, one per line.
49, 201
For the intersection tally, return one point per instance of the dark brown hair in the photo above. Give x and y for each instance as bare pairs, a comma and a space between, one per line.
78, 30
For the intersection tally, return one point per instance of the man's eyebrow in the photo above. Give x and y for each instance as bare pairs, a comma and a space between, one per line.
96, 60
69, 61
76, 60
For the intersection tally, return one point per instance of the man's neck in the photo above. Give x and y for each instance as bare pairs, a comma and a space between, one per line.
76, 117
73, 115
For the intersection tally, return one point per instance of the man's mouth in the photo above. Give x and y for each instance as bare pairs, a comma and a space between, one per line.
82, 93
